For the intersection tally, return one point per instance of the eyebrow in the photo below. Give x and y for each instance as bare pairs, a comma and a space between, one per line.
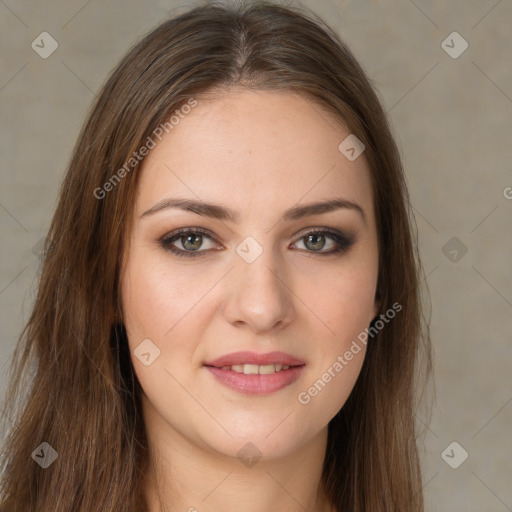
217, 211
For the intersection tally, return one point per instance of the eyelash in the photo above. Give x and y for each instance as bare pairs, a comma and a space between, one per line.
344, 242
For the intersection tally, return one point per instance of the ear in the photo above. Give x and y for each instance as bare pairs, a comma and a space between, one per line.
376, 306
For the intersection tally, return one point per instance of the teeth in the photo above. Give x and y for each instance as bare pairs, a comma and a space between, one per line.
254, 369
265, 369
250, 369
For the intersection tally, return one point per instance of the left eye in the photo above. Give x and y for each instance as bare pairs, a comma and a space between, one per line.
316, 241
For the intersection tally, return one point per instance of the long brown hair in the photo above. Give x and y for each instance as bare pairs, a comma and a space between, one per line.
72, 383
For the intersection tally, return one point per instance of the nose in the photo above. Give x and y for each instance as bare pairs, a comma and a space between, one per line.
259, 295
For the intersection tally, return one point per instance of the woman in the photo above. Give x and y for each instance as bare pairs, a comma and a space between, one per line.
228, 315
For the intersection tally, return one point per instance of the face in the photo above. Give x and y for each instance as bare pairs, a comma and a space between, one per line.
239, 316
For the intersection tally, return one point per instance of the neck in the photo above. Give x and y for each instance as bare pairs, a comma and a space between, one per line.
186, 477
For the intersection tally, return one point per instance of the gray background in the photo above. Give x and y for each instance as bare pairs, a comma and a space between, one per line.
453, 122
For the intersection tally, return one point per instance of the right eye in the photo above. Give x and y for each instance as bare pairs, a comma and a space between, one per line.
190, 239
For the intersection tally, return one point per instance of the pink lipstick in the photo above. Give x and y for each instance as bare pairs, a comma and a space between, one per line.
256, 374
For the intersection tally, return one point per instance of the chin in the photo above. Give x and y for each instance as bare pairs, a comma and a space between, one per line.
255, 440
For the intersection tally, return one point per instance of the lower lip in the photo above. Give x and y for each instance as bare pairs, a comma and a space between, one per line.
256, 384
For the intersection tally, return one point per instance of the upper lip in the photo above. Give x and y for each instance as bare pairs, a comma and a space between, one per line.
246, 357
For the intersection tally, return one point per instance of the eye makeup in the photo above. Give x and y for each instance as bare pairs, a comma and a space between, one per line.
342, 241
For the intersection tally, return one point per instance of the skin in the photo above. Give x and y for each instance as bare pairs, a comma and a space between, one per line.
258, 153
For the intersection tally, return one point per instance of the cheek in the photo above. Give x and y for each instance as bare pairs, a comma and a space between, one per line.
158, 305
352, 302
145, 305
156, 297
347, 310
170, 307
343, 300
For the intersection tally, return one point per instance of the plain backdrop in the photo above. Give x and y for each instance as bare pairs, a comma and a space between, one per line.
451, 111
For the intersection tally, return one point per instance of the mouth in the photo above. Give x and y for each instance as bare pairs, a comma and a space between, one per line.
255, 369
245, 358
256, 374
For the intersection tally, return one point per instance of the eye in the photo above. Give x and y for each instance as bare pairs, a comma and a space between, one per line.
190, 240
314, 241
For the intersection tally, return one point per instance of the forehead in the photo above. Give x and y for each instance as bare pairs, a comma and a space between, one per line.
257, 151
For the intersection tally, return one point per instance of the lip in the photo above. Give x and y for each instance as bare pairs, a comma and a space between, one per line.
247, 357
256, 384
